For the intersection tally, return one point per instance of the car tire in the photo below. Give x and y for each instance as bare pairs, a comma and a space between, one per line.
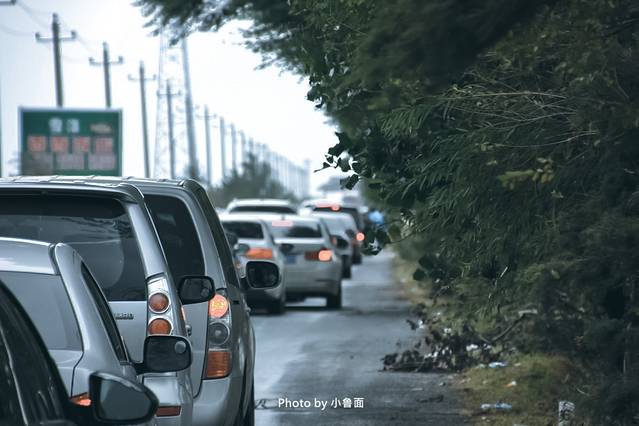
278, 307
347, 273
335, 301
249, 417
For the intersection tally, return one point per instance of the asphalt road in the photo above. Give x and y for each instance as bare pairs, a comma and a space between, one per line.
312, 356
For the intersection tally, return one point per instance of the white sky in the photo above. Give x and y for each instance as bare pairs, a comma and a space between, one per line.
269, 105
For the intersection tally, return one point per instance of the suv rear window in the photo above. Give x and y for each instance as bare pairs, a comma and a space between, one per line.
98, 228
45, 298
177, 234
250, 230
289, 229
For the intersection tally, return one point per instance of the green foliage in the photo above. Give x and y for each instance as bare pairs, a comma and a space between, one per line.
254, 181
503, 136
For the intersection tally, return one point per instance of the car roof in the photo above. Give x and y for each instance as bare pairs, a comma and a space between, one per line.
324, 202
269, 217
112, 187
18, 255
240, 217
260, 201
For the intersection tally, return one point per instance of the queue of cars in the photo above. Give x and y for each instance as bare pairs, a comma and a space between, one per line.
123, 302
122, 297
315, 246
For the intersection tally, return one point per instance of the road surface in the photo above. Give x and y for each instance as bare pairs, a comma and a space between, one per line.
309, 357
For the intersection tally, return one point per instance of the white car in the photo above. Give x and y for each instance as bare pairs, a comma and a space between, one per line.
312, 267
260, 245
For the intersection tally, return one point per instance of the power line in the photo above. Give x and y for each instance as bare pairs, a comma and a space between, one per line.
32, 14
14, 32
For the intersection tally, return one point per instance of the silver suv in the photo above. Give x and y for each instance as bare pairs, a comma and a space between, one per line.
77, 325
110, 227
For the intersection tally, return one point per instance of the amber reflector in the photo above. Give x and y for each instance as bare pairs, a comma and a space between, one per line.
169, 411
158, 303
82, 399
159, 326
260, 253
218, 364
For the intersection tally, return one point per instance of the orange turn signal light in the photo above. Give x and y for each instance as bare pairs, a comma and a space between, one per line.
160, 326
260, 253
82, 400
218, 364
168, 411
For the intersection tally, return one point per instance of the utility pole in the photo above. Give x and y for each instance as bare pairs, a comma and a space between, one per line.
106, 66
243, 146
223, 147
233, 148
169, 102
207, 135
57, 62
145, 126
194, 169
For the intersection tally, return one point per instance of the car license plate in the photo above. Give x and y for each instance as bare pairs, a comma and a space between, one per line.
290, 258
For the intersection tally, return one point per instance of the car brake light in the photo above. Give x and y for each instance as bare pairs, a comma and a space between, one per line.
360, 236
320, 255
218, 364
160, 326
259, 253
82, 400
218, 306
168, 411
335, 208
158, 303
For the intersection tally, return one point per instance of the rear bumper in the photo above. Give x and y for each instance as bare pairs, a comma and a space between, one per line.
170, 392
218, 402
259, 297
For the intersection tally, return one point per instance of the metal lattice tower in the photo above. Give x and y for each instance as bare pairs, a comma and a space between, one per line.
171, 70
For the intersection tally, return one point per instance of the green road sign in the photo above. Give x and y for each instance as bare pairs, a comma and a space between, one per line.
71, 142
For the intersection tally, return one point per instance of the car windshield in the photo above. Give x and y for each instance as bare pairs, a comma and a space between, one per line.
45, 298
290, 229
264, 209
249, 230
98, 228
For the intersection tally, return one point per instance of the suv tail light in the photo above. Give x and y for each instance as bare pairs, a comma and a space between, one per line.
219, 356
323, 255
159, 326
168, 411
360, 236
159, 306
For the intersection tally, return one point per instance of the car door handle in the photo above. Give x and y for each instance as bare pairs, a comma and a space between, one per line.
189, 330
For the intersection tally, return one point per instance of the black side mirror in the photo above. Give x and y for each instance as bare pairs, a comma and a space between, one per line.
118, 401
286, 248
163, 354
262, 274
339, 242
196, 289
